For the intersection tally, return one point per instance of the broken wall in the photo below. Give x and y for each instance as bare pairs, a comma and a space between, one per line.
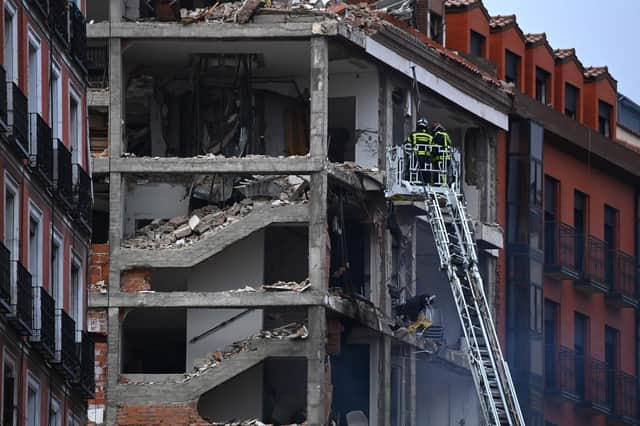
365, 87
237, 266
146, 200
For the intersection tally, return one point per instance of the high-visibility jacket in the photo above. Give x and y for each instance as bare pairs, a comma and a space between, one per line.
443, 140
420, 137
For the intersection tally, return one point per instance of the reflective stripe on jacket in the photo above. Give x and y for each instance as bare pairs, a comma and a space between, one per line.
443, 140
418, 137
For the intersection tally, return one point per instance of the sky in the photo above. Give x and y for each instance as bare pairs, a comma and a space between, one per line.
602, 32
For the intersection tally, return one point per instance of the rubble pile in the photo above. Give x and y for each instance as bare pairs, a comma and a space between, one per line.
182, 231
254, 422
277, 286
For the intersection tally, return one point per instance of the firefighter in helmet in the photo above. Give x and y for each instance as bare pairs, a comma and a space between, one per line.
421, 152
441, 157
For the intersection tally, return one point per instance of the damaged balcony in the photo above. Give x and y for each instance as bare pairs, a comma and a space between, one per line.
231, 99
204, 214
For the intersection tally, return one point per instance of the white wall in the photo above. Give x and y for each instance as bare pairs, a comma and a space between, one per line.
445, 398
627, 136
153, 200
364, 86
237, 399
240, 265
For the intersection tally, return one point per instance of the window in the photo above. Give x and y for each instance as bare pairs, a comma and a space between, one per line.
55, 415
55, 103
542, 85
34, 74
74, 128
580, 341
604, 118
512, 66
477, 44
56, 269
9, 392
35, 245
551, 321
536, 308
571, 98
33, 402
10, 48
75, 302
12, 227
580, 205
611, 241
551, 226
435, 27
611, 341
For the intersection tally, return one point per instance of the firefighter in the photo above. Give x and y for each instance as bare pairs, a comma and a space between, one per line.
422, 154
441, 159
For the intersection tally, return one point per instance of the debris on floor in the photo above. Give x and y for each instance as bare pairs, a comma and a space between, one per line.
288, 286
182, 231
254, 422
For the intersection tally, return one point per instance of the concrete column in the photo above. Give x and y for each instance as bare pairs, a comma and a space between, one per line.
385, 118
115, 10
113, 362
319, 85
318, 238
116, 211
115, 97
316, 369
384, 385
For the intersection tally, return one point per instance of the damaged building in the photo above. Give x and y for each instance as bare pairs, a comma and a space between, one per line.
251, 260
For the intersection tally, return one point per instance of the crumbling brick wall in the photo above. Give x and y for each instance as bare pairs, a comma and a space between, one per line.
133, 280
99, 268
165, 414
97, 324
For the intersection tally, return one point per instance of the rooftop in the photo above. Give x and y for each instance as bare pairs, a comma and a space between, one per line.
502, 21
535, 37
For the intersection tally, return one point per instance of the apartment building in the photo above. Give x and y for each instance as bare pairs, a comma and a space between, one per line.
245, 259
628, 125
46, 351
570, 196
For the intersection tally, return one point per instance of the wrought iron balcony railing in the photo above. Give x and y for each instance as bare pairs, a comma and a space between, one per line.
41, 147
98, 66
3, 98
591, 254
86, 381
78, 28
621, 279
625, 397
41, 5
63, 174
22, 304
67, 359
560, 251
82, 194
5, 279
560, 372
44, 322
59, 18
18, 119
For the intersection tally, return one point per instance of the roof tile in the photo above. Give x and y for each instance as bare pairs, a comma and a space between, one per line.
501, 21
535, 37
594, 72
460, 3
564, 53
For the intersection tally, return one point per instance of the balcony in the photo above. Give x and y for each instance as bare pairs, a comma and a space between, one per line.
41, 147
560, 251
41, 5
78, 28
66, 360
591, 254
59, 19
5, 279
82, 195
22, 310
621, 277
98, 66
63, 175
18, 120
560, 373
86, 384
625, 400
44, 323
594, 387
3, 98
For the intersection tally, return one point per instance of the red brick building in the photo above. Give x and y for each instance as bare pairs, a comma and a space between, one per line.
567, 306
45, 351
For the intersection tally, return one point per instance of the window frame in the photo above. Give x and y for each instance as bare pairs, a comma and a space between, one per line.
34, 40
77, 316
11, 186
35, 213
55, 407
480, 38
32, 383
58, 296
542, 96
55, 86
10, 359
507, 55
605, 123
10, 8
567, 88
76, 151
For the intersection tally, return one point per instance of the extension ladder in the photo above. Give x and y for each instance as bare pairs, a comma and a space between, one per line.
451, 227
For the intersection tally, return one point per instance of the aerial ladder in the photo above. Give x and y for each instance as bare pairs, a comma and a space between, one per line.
452, 231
